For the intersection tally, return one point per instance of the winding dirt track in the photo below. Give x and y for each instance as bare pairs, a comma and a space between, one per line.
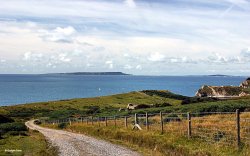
72, 144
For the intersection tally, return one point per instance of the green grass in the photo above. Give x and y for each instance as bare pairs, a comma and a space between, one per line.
152, 142
32, 144
218, 106
99, 105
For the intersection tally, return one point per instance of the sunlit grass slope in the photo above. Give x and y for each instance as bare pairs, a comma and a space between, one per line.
86, 106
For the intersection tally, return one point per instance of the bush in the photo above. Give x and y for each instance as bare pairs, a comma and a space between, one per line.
165, 94
185, 101
198, 99
141, 106
172, 117
62, 125
37, 122
16, 133
93, 109
162, 105
15, 126
4, 119
35, 131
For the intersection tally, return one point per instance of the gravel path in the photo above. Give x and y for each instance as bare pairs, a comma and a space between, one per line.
72, 144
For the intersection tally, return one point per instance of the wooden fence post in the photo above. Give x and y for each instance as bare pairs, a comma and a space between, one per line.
92, 120
136, 119
87, 120
69, 121
81, 120
99, 121
189, 125
115, 120
126, 122
147, 126
106, 122
238, 127
162, 129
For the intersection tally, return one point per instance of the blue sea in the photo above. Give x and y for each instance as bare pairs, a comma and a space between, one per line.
20, 89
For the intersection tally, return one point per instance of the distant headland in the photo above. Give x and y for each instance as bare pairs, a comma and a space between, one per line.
92, 73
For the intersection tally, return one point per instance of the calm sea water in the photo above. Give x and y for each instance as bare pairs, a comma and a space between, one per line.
19, 89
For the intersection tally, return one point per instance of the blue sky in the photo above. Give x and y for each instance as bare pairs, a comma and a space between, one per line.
161, 37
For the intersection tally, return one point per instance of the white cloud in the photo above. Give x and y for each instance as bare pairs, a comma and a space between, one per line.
130, 3
156, 57
110, 64
63, 57
245, 52
218, 58
127, 66
30, 56
139, 67
2, 60
59, 34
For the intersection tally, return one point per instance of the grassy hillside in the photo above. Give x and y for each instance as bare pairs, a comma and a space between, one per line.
86, 106
110, 105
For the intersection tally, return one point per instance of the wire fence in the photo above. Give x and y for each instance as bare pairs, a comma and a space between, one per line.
221, 128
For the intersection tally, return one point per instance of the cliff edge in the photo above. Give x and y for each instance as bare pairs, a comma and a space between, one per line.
225, 91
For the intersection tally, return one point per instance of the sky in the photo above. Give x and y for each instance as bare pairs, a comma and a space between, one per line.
142, 37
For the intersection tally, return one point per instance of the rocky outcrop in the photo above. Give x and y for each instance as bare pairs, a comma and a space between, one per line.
225, 91
218, 91
245, 84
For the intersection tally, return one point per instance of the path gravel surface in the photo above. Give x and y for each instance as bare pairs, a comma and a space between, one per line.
72, 144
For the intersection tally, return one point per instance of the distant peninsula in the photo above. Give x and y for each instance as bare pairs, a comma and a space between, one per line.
92, 73
219, 75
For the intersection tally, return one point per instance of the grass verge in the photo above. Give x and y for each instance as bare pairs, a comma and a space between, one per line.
153, 143
31, 144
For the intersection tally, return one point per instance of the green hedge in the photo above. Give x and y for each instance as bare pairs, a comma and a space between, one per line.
15, 126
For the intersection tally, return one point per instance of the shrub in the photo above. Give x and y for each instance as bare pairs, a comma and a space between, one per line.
198, 99
35, 131
165, 94
141, 106
62, 125
165, 104
93, 109
172, 117
185, 101
4, 119
16, 133
37, 122
15, 126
